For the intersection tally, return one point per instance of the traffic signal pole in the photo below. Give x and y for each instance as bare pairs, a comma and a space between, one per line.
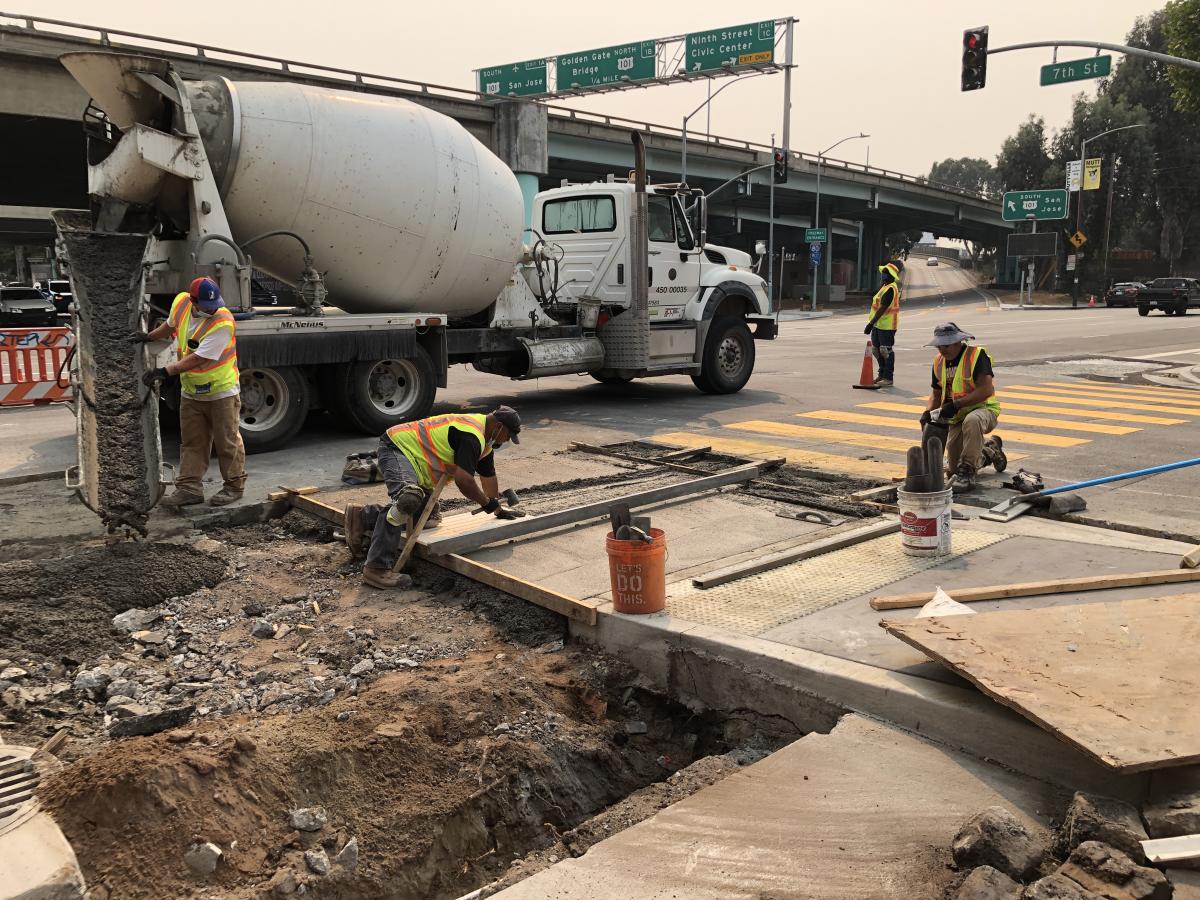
771, 232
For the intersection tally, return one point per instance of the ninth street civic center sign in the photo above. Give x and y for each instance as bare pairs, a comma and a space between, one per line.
1047, 204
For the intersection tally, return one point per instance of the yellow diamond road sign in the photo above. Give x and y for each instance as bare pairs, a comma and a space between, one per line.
1078, 239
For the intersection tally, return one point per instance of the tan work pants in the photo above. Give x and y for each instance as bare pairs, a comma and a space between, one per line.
965, 441
206, 426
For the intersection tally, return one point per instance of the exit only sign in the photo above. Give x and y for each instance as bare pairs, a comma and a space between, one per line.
1076, 70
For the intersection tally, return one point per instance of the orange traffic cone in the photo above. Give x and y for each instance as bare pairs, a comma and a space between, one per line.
866, 379
1091, 299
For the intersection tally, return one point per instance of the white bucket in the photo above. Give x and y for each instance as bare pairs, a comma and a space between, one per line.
925, 522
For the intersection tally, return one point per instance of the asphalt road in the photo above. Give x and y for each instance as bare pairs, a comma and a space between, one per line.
1058, 418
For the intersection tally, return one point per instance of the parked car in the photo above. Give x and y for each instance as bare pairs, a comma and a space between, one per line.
261, 295
1172, 295
60, 295
932, 261
26, 307
1124, 293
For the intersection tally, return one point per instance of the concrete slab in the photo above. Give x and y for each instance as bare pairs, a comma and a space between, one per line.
38, 863
866, 811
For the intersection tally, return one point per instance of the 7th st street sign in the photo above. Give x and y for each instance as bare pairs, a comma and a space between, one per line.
1047, 204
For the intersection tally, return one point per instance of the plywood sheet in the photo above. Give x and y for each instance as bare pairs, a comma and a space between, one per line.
1118, 680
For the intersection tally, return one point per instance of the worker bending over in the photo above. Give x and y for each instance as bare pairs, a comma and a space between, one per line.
413, 457
885, 322
965, 398
210, 405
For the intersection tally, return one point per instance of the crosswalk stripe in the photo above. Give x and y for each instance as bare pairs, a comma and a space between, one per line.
858, 439
828, 462
837, 415
1155, 395
1187, 403
1052, 410
1045, 396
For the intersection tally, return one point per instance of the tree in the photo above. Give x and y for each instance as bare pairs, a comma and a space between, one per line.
1181, 26
1024, 162
969, 173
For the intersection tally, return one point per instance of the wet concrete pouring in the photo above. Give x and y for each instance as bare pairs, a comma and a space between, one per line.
245, 716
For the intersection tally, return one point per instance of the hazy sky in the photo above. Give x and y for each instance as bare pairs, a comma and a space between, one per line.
891, 70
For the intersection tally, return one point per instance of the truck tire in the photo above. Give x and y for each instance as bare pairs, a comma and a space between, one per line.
275, 403
378, 394
1181, 308
1143, 310
728, 359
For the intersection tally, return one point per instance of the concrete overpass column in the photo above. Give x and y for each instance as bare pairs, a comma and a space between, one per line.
522, 142
870, 256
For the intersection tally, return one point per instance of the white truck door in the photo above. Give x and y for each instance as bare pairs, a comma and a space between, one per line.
674, 272
596, 251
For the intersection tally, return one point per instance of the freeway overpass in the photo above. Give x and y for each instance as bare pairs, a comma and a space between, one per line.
43, 157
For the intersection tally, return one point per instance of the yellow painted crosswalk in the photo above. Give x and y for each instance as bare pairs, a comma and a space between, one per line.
866, 442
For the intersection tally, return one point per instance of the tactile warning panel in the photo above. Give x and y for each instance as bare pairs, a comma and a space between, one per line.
758, 603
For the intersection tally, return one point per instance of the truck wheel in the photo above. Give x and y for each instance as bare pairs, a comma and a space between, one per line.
728, 359
274, 406
1143, 310
1181, 308
381, 393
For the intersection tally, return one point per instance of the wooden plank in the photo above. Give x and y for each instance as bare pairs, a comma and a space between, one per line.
662, 461
1165, 851
806, 550
308, 489
1118, 680
583, 611
1037, 588
414, 530
1191, 559
317, 508
493, 532
686, 452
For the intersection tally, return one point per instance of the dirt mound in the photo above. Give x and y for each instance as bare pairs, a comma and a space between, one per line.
63, 606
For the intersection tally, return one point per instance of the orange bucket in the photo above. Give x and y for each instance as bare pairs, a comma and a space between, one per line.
638, 572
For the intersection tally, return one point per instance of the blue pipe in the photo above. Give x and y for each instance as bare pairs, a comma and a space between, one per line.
1153, 470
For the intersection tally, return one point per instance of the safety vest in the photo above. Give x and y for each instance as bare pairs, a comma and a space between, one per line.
963, 382
890, 320
216, 375
426, 443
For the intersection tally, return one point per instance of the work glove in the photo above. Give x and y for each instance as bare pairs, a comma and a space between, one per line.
491, 506
867, 329
511, 512
154, 377
926, 418
949, 408
140, 337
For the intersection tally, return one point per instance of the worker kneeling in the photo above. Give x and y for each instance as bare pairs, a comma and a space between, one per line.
964, 399
413, 458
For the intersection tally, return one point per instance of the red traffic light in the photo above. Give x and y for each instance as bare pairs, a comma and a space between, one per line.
972, 40
974, 58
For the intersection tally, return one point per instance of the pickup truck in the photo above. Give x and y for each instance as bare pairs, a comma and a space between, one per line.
1172, 295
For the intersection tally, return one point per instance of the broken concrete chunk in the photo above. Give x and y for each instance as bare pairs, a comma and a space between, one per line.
151, 638
998, 839
1109, 872
151, 723
317, 861
1094, 818
13, 673
362, 668
986, 883
311, 818
1174, 816
347, 857
203, 858
1058, 887
636, 727
93, 681
134, 620
262, 629
283, 883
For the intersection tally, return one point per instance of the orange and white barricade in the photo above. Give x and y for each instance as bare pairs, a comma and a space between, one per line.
31, 360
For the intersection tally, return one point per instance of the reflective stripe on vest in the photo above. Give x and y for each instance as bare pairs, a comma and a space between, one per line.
890, 320
426, 443
963, 382
213, 376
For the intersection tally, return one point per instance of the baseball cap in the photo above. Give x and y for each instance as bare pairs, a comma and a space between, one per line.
507, 416
206, 294
948, 333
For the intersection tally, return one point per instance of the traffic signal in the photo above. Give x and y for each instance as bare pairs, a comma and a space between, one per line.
781, 166
974, 58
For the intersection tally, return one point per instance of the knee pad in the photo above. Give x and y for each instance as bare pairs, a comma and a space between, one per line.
886, 352
410, 499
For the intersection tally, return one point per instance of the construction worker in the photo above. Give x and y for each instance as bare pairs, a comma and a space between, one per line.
965, 399
412, 458
210, 406
885, 319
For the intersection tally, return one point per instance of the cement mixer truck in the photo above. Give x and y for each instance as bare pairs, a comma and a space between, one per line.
403, 237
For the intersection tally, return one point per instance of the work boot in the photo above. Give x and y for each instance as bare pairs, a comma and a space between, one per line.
386, 579
963, 481
883, 382
355, 522
179, 499
224, 497
993, 453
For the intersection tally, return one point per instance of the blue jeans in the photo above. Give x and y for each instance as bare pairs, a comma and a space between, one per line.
397, 471
884, 341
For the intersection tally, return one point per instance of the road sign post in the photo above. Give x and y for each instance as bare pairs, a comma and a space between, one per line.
1076, 70
1040, 205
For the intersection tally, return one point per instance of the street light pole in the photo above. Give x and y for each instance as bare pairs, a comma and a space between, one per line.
1079, 203
817, 207
711, 96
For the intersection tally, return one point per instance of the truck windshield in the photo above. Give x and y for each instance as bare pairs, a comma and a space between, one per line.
575, 215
